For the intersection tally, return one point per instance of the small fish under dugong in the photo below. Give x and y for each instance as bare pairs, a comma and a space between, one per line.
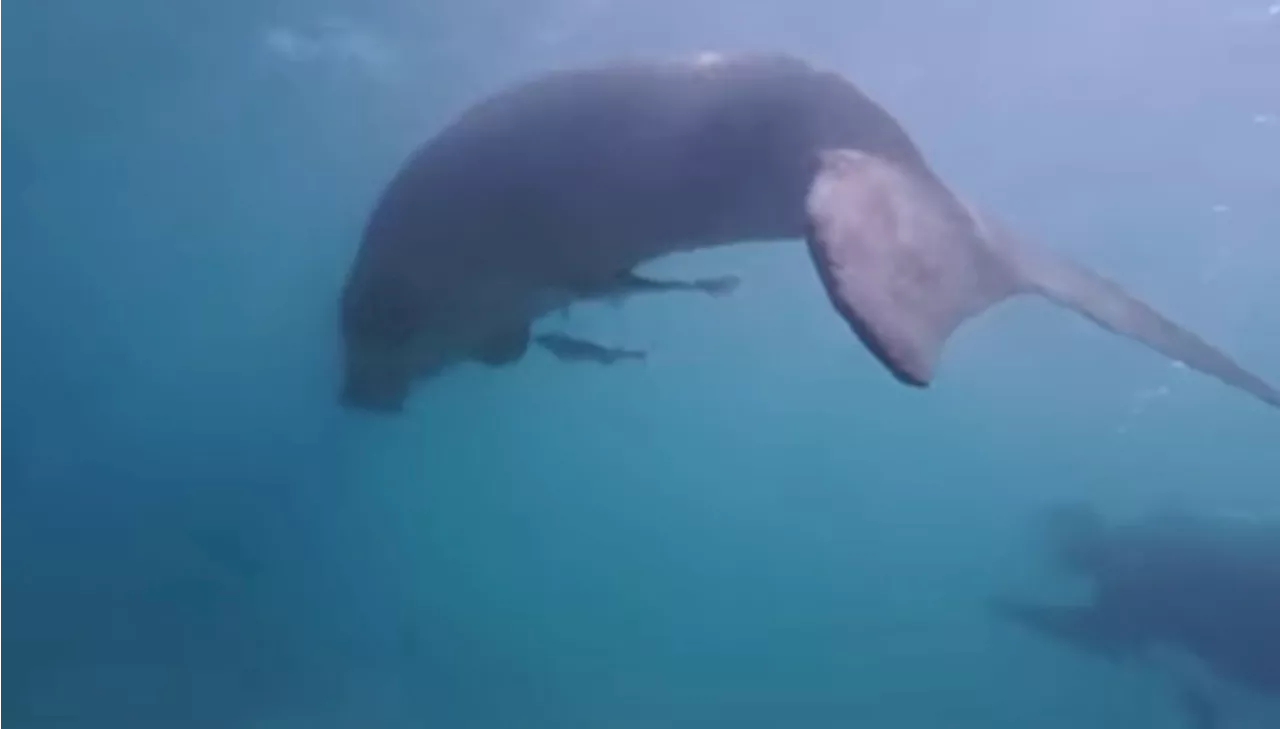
571, 349
555, 189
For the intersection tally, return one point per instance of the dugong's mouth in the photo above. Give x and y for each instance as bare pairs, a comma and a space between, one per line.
374, 379
379, 378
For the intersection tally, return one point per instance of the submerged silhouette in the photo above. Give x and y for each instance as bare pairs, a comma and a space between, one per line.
1205, 584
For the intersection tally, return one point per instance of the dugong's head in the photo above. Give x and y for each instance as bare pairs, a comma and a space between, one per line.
387, 339
378, 328
1077, 537
404, 267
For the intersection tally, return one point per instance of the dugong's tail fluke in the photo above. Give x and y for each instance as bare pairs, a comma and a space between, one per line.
1075, 287
905, 264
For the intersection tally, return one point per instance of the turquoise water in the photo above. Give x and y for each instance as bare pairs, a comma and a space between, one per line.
757, 528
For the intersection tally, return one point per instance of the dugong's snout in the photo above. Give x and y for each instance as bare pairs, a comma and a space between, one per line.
379, 323
373, 383
374, 394
380, 380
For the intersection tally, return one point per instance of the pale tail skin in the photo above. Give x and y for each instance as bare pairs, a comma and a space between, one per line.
905, 263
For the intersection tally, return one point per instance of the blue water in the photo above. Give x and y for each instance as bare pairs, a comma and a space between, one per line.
757, 528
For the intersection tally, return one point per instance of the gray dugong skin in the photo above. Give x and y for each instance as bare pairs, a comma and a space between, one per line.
582, 174
553, 189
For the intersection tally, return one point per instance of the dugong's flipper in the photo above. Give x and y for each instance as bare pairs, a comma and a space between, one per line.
1085, 627
905, 263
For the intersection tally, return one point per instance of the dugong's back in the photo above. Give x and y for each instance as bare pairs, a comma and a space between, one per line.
628, 159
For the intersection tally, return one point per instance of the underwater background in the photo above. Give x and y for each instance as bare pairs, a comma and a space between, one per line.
756, 528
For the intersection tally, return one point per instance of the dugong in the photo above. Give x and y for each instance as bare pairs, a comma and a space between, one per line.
555, 189
1205, 584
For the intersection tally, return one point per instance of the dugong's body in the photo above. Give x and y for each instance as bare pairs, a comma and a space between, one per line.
555, 189
1204, 584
